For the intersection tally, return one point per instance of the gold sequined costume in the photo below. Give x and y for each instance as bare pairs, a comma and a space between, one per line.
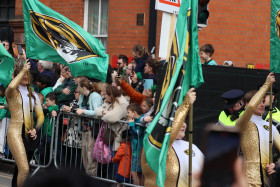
254, 159
14, 134
172, 163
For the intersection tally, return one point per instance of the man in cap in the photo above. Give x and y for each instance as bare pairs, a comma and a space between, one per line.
233, 108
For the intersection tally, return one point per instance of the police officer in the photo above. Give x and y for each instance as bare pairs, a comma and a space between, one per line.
275, 110
233, 108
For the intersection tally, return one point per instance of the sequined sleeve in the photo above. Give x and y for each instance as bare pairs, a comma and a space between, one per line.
242, 122
39, 113
15, 82
179, 118
276, 140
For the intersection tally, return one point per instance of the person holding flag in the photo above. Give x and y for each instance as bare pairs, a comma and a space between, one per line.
21, 134
254, 138
178, 151
183, 70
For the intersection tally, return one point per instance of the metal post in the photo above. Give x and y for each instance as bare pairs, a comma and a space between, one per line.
190, 144
30, 102
270, 128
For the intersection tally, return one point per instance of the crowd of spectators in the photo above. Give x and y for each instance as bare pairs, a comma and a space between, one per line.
124, 96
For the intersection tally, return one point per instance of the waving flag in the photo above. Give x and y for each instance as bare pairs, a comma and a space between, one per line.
183, 69
275, 36
6, 66
52, 37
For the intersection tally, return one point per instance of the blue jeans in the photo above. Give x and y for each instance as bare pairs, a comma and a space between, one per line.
122, 179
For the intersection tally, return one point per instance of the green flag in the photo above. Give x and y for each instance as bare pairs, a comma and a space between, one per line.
52, 37
6, 66
275, 36
183, 69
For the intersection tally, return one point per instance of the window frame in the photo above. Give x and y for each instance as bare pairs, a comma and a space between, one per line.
99, 20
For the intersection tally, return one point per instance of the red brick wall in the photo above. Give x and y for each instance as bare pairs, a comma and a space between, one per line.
123, 32
239, 31
73, 10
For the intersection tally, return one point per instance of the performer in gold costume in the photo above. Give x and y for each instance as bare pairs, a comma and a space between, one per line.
175, 174
21, 133
255, 138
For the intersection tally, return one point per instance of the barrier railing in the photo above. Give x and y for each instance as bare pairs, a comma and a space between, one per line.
78, 146
40, 159
78, 142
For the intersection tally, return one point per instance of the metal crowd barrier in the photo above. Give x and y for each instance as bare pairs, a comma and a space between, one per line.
38, 160
71, 145
74, 147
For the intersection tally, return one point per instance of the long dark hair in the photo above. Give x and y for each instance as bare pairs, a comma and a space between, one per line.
114, 93
92, 87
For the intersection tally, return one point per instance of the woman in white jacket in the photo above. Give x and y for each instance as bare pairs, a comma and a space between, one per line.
112, 110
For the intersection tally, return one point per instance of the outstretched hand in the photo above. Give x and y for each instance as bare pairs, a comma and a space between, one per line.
192, 95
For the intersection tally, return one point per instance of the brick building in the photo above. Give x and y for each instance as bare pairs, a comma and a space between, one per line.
239, 30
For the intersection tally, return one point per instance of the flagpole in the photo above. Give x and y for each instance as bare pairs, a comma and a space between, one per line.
270, 127
30, 102
190, 144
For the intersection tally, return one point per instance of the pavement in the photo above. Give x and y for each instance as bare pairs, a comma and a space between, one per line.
6, 174
7, 169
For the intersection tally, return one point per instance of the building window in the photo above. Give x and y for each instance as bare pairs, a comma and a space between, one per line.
7, 12
96, 19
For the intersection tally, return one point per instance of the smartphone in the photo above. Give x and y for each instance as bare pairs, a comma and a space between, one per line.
148, 83
15, 49
19, 49
222, 145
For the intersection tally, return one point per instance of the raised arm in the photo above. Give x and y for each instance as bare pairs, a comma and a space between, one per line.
16, 81
242, 122
181, 114
133, 94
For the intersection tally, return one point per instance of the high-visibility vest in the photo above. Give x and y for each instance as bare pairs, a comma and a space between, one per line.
225, 120
275, 117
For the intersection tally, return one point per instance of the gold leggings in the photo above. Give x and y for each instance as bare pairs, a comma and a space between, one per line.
16, 146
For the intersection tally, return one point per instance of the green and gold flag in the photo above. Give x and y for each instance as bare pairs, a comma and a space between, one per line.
183, 69
275, 36
52, 37
6, 66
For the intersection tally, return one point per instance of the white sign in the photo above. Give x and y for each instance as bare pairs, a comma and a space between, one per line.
171, 6
164, 35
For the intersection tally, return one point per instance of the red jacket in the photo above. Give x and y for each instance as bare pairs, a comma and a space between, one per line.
133, 94
123, 156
